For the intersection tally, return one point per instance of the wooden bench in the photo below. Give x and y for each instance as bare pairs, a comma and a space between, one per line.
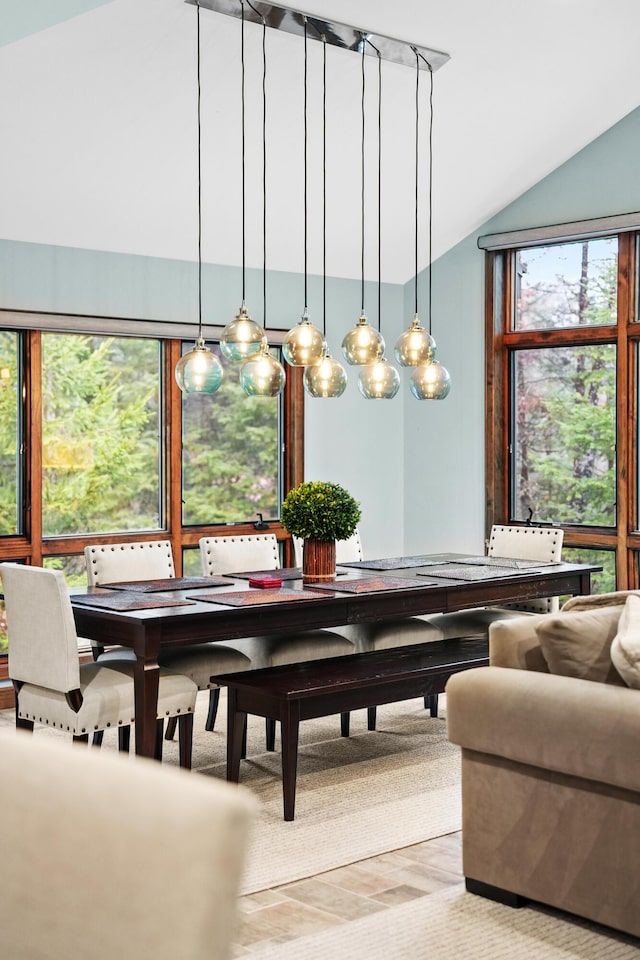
320, 688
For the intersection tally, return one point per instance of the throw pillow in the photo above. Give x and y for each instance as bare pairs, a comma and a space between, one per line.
592, 600
579, 644
625, 649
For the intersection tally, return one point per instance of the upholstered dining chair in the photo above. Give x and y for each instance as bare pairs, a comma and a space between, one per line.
242, 554
510, 542
513, 543
53, 688
153, 560
385, 634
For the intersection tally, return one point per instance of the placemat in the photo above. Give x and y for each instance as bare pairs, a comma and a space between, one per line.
507, 562
169, 583
282, 573
368, 585
457, 571
127, 601
254, 598
391, 563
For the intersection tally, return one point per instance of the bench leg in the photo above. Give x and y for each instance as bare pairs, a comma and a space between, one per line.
236, 731
270, 734
431, 704
371, 718
289, 726
345, 724
214, 700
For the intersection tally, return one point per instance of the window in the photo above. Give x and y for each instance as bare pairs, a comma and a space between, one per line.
101, 463
231, 467
97, 443
562, 343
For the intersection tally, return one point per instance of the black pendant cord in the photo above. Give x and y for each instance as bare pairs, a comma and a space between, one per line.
306, 308
430, 192
199, 177
417, 142
324, 187
264, 163
242, 114
364, 40
379, 189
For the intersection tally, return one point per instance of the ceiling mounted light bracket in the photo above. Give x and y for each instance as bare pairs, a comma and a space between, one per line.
336, 34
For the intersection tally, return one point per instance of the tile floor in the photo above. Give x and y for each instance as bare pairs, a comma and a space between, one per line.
339, 896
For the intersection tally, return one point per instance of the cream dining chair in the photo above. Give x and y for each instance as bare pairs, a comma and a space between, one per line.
53, 688
511, 543
242, 554
153, 560
383, 634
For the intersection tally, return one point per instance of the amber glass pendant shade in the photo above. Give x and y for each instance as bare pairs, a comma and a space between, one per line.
262, 375
430, 381
304, 345
199, 371
379, 380
242, 338
414, 346
325, 379
362, 344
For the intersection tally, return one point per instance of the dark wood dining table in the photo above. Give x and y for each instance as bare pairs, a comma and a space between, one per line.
424, 589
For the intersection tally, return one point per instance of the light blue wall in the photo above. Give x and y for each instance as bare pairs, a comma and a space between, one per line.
18, 20
352, 441
444, 441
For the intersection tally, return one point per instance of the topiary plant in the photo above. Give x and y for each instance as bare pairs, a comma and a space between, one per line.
316, 510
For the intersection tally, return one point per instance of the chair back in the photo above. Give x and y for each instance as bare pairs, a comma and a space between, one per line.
528, 543
239, 554
118, 562
346, 550
43, 643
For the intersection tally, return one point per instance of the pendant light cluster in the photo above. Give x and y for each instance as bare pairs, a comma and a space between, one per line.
243, 340
416, 347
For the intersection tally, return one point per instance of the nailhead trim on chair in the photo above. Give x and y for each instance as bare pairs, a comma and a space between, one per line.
142, 545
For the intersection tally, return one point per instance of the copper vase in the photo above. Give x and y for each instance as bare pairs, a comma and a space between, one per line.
318, 560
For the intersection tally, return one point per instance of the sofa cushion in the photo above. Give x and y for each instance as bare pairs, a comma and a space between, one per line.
578, 644
625, 648
591, 600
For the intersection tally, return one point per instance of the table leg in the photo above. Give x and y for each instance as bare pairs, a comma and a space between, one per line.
236, 727
289, 726
146, 678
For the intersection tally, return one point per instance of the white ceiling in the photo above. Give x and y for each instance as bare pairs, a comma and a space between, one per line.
99, 132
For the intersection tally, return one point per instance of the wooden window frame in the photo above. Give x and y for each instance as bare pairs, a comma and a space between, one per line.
501, 339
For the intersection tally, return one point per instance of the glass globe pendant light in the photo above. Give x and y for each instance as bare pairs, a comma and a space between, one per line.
379, 380
429, 380
326, 379
199, 370
304, 344
362, 344
415, 345
262, 375
242, 337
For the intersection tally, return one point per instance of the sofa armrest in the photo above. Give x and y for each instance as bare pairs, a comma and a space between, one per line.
514, 643
574, 727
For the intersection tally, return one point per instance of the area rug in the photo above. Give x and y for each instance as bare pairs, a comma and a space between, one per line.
455, 925
357, 797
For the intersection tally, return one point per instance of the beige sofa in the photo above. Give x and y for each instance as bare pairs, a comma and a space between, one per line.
550, 738
108, 857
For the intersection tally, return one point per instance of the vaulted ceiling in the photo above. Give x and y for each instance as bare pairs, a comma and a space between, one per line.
99, 127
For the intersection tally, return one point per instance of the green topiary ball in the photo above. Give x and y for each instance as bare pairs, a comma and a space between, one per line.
316, 510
